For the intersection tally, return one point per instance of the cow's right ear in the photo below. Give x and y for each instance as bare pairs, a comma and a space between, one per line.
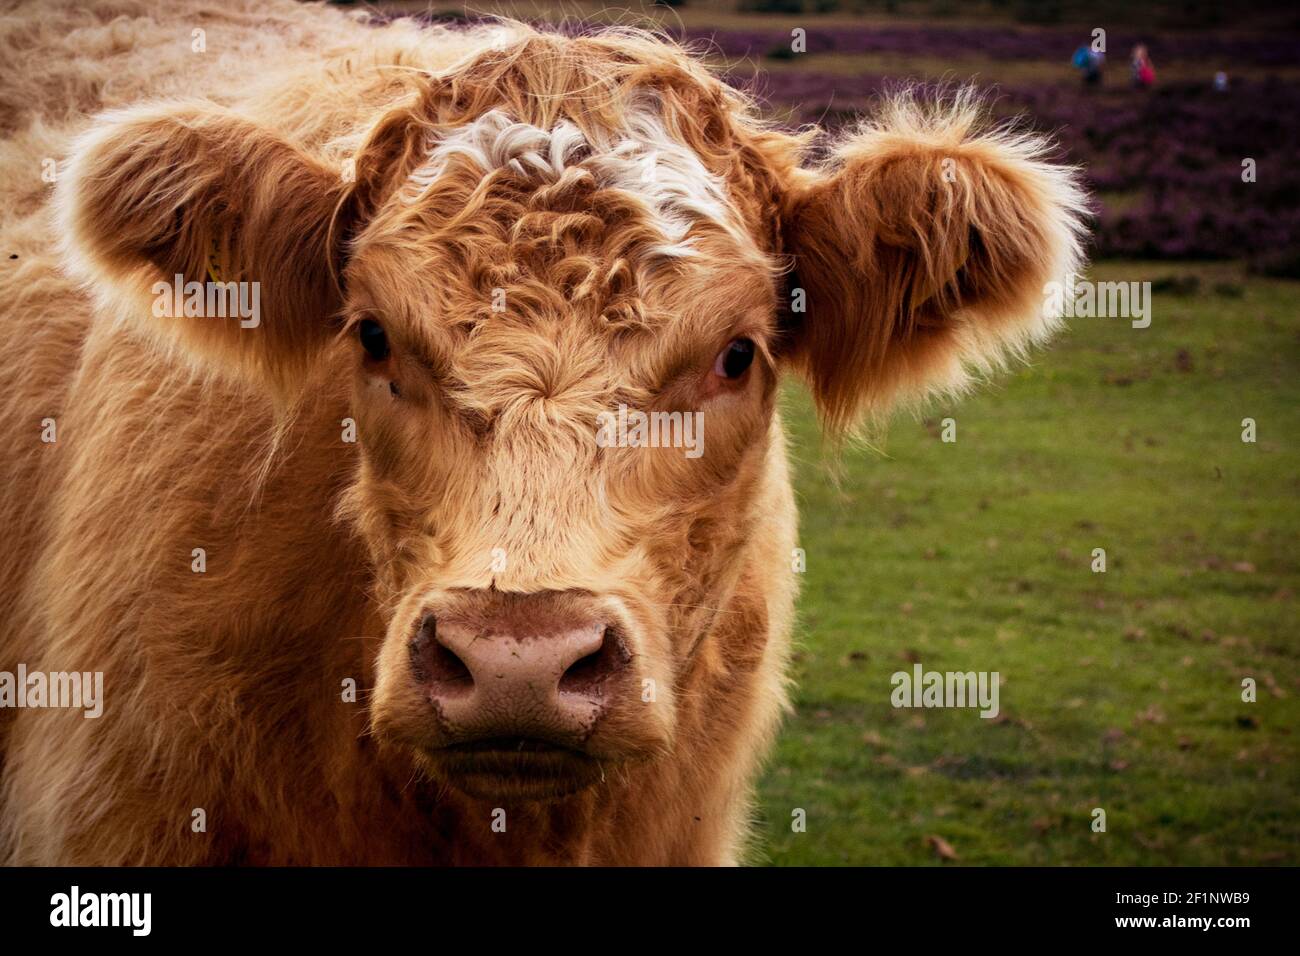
194, 191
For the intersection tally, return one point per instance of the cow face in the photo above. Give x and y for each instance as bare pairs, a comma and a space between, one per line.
563, 318
564, 362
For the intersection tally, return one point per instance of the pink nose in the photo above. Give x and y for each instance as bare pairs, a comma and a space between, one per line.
512, 679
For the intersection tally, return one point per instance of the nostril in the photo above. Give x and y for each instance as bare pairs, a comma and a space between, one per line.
585, 676
433, 662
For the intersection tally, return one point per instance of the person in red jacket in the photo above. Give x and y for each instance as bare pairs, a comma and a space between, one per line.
1144, 74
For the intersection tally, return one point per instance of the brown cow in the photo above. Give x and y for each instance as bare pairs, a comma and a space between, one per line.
488, 432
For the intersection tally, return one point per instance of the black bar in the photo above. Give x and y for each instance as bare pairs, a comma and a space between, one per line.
437, 906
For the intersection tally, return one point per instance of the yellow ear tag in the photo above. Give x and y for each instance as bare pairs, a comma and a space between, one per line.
214, 272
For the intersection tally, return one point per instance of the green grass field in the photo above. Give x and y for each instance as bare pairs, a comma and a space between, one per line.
1120, 690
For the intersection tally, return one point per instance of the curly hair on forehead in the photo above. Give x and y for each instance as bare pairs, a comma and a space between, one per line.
599, 85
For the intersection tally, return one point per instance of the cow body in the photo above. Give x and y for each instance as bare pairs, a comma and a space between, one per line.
228, 734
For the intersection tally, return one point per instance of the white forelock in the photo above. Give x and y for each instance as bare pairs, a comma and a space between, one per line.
641, 159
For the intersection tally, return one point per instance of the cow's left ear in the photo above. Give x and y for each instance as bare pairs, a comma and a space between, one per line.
922, 250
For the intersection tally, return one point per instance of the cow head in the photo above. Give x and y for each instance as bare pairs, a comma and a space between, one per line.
559, 279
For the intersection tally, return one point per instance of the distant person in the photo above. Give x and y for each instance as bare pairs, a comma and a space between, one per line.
1089, 64
1221, 81
1144, 73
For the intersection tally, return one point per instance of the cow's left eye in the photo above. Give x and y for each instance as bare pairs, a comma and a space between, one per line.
735, 359
373, 339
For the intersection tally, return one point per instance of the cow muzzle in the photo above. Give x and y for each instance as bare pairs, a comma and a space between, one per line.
520, 688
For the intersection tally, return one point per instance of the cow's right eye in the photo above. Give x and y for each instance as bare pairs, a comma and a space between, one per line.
735, 359
373, 339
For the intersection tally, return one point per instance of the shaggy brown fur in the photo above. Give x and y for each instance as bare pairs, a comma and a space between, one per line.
320, 157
